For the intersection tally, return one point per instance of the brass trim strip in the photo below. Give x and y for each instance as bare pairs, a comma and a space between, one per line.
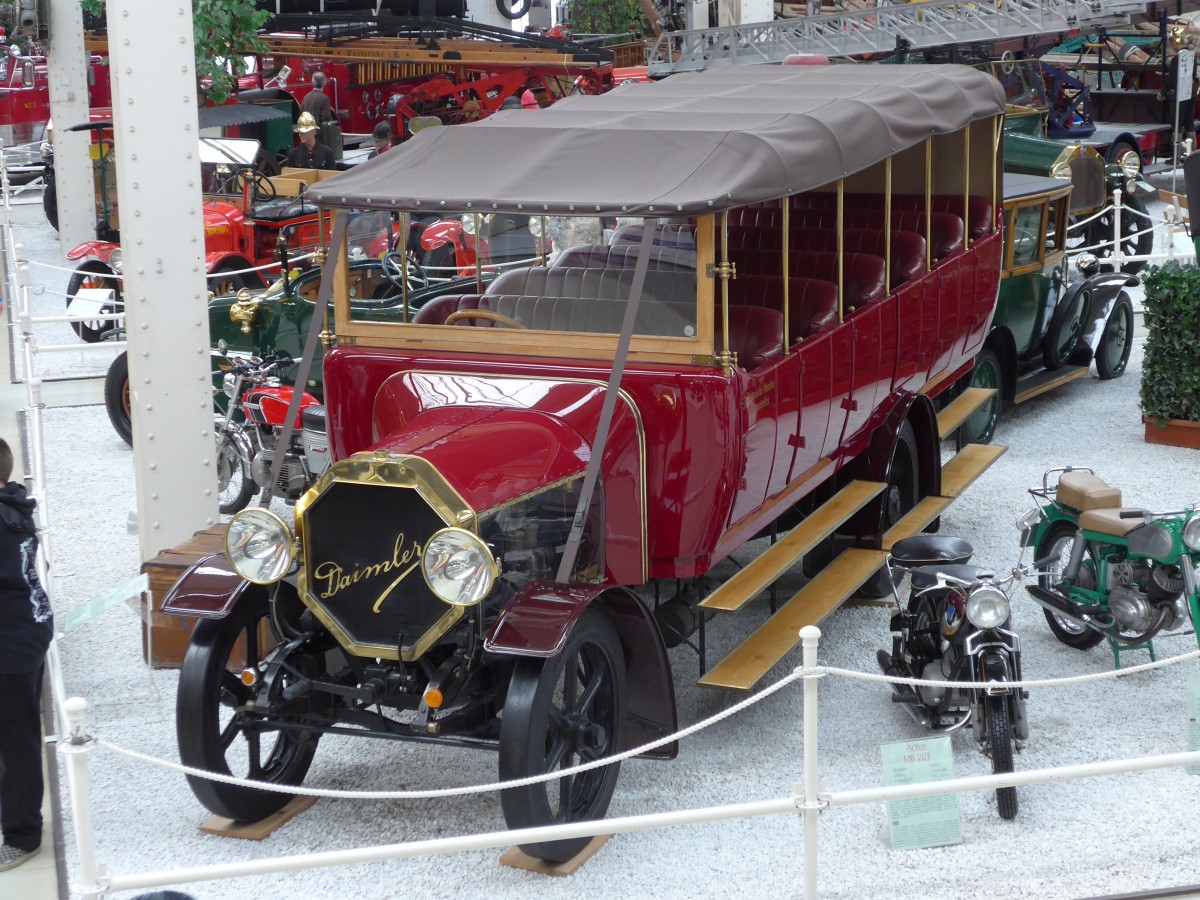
887, 225
928, 203
787, 239
841, 249
966, 185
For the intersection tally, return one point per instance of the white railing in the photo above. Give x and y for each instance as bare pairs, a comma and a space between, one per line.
809, 799
1115, 254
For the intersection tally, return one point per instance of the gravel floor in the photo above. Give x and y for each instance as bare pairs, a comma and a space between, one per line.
1076, 838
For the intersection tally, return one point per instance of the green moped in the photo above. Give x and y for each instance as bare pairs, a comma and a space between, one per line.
1113, 572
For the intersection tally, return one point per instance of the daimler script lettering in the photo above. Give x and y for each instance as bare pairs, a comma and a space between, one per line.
333, 578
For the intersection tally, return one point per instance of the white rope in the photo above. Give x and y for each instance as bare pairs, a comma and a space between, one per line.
796, 674
473, 789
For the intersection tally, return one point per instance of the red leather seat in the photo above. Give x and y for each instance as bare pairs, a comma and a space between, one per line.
812, 304
863, 272
755, 335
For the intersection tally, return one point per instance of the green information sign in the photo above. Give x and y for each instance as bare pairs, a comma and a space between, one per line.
1193, 712
921, 821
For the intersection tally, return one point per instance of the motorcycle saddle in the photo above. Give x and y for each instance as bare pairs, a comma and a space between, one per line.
1084, 491
926, 576
927, 549
1109, 521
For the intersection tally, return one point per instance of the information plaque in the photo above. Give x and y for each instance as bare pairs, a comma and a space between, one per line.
921, 821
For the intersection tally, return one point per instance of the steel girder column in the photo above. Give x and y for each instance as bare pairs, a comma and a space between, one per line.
67, 70
152, 64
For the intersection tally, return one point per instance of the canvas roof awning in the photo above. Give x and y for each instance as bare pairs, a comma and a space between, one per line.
692, 143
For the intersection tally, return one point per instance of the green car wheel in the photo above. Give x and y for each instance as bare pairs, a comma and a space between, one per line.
980, 426
1116, 343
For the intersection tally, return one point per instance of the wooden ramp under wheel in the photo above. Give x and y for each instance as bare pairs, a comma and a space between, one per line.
747, 663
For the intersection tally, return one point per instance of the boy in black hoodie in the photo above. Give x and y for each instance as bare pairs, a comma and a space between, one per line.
26, 626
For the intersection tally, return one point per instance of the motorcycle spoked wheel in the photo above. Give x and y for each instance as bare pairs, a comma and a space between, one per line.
1057, 543
234, 486
210, 734
1000, 748
560, 712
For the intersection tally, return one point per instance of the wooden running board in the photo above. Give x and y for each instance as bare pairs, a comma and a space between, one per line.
958, 411
755, 656
786, 552
747, 663
1032, 385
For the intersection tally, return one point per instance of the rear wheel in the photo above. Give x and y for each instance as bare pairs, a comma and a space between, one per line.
95, 275
235, 487
1116, 341
50, 201
980, 426
902, 494
208, 717
1001, 749
226, 279
560, 712
1058, 544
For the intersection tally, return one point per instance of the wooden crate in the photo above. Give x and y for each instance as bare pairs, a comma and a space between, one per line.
164, 637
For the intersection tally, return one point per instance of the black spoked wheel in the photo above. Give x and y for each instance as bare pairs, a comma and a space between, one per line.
50, 202
116, 397
561, 712
211, 732
235, 487
1116, 342
1000, 747
902, 494
226, 279
1137, 234
394, 267
1066, 326
980, 426
1057, 544
95, 275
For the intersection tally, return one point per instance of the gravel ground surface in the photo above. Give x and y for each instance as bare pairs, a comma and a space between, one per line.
1077, 838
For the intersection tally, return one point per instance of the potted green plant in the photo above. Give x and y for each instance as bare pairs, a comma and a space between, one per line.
1171, 364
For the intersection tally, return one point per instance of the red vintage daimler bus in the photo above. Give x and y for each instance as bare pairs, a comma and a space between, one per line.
763, 281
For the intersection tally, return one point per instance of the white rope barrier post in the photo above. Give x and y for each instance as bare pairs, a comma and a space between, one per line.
810, 636
1118, 254
75, 748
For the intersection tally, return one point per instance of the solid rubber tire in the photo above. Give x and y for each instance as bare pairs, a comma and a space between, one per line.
527, 728
197, 706
87, 271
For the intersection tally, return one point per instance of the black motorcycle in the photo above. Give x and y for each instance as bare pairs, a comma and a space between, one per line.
955, 627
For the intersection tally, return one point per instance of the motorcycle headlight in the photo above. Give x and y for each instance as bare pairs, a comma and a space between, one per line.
116, 259
987, 608
259, 545
458, 567
1191, 533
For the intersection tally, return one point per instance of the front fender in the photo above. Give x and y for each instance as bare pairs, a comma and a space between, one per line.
538, 619
1102, 293
208, 590
93, 251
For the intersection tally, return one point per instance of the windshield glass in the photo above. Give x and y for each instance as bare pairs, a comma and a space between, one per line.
562, 274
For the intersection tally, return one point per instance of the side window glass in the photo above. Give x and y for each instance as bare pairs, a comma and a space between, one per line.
1054, 235
1027, 242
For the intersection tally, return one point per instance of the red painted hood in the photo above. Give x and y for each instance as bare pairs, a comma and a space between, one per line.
492, 439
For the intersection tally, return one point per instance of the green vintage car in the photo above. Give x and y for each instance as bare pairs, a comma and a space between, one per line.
1047, 329
276, 322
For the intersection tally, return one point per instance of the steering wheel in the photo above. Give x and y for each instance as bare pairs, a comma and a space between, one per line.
489, 315
264, 187
393, 271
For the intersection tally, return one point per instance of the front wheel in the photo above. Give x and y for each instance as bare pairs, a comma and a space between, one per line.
1137, 235
50, 201
560, 712
116, 397
209, 723
1000, 746
95, 275
1058, 544
235, 487
1116, 341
